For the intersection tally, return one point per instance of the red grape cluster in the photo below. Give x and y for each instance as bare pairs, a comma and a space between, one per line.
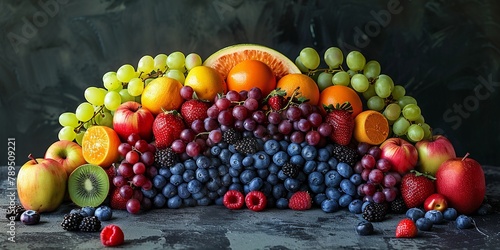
135, 171
381, 184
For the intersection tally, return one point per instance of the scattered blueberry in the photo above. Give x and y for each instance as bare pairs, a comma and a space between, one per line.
355, 206
464, 222
450, 214
485, 209
435, 216
424, 224
30, 217
364, 228
330, 206
415, 213
103, 213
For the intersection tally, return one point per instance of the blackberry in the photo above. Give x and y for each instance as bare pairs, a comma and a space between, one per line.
231, 136
247, 145
71, 222
165, 158
398, 206
345, 154
15, 212
90, 224
291, 170
375, 212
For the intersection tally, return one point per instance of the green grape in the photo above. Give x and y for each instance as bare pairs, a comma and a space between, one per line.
193, 60
105, 119
420, 119
146, 64
398, 92
176, 60
351, 72
87, 125
360, 83
95, 96
355, 61
135, 86
176, 74
392, 112
324, 80
110, 81
400, 126
341, 78
160, 62
372, 69
84, 112
333, 57
405, 100
384, 86
67, 133
147, 81
79, 136
310, 58
300, 65
427, 131
370, 92
68, 119
411, 112
375, 103
415, 133
112, 100
125, 73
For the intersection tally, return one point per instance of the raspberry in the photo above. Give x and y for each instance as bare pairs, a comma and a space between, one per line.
256, 201
233, 199
300, 200
112, 235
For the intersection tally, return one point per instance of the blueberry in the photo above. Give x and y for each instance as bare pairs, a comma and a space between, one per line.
329, 206
273, 168
415, 213
150, 193
165, 172
333, 193
345, 200
30, 217
435, 216
333, 178
159, 201
226, 180
223, 169
450, 214
316, 189
190, 164
247, 161
424, 224
280, 158
323, 155
356, 179
282, 203
202, 175
272, 179
78, 211
174, 202
364, 228
293, 149
176, 179
159, 181
298, 160
189, 202
333, 162
232, 149
215, 150
213, 173
344, 169
103, 213
261, 160
203, 192
247, 175
355, 206
256, 183
365, 203
236, 186
271, 147
194, 186
235, 172
178, 168
169, 190
292, 184
309, 152
183, 191
310, 167
282, 176
89, 210
279, 191
316, 178
284, 144
323, 167
485, 209
348, 187
188, 175
464, 222
236, 161
202, 162
318, 198
223, 145
225, 155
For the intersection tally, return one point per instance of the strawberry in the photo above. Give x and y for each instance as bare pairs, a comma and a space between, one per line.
256, 200
406, 229
111, 172
300, 200
194, 109
276, 99
342, 122
112, 235
167, 127
117, 201
416, 187
233, 199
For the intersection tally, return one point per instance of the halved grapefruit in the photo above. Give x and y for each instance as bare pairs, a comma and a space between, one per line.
225, 59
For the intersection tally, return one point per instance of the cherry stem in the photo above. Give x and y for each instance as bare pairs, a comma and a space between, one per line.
30, 156
466, 155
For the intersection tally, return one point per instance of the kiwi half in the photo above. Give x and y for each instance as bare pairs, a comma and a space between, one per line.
88, 185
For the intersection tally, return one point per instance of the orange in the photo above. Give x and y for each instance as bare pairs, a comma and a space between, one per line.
206, 82
100, 146
162, 93
307, 86
251, 73
339, 94
371, 126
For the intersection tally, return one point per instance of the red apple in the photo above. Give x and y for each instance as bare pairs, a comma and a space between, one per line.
462, 182
130, 117
41, 184
401, 154
68, 153
433, 152
436, 202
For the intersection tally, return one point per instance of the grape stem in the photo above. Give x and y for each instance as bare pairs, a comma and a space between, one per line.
99, 111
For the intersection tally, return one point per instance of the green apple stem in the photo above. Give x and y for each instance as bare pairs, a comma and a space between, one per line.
32, 158
466, 155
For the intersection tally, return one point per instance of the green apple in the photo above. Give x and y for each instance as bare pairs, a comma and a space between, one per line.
433, 152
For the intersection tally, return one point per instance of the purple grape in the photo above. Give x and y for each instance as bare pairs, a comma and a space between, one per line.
198, 126
389, 180
297, 137
238, 125
363, 148
369, 189
210, 124
215, 136
384, 165
126, 191
316, 119
313, 137
240, 112
259, 116
187, 135
249, 124
213, 112
178, 146
225, 118
119, 181
274, 118
255, 93
293, 113
368, 161
358, 168
375, 152
223, 104
187, 92
305, 108
193, 149
304, 125
379, 197
325, 129
260, 131
251, 104
376, 176
233, 96
148, 158
390, 193
243, 94
285, 127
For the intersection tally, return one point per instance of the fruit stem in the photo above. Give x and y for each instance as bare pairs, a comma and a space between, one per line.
99, 111
466, 155
30, 156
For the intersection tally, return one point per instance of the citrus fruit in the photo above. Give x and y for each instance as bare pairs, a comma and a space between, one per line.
307, 86
251, 73
206, 82
339, 94
100, 146
162, 93
371, 126
225, 59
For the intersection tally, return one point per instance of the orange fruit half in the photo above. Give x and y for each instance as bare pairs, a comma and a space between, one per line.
100, 146
371, 126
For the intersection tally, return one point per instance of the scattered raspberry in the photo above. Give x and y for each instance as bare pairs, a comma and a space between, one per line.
234, 199
112, 235
256, 201
300, 200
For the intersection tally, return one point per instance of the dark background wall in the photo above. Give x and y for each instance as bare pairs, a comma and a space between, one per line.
446, 53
